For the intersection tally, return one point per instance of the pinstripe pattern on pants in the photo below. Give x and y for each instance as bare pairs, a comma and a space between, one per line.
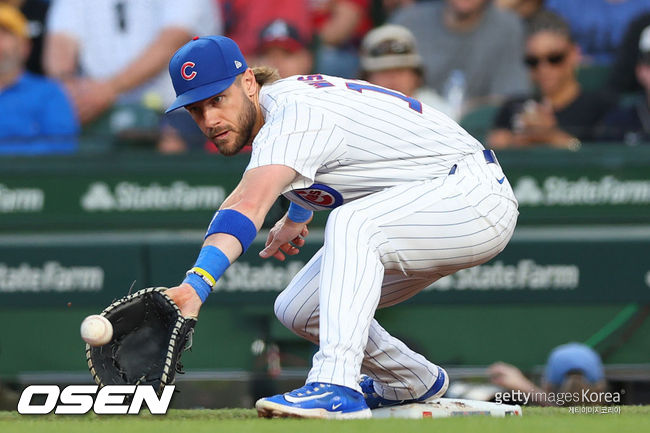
381, 250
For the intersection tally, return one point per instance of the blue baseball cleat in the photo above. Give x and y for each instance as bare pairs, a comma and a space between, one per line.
315, 400
374, 400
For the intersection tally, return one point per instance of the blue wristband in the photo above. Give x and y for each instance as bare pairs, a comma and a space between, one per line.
200, 287
214, 262
233, 223
299, 214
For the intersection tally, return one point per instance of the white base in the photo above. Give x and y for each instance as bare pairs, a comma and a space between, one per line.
447, 407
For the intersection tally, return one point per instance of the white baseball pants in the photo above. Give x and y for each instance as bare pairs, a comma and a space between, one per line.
383, 249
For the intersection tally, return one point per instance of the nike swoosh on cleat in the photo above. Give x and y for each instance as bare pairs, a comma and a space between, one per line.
292, 399
336, 406
501, 180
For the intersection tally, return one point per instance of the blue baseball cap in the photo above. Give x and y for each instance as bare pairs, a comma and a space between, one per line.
573, 357
204, 67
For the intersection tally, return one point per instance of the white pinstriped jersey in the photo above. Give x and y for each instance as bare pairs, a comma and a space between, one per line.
348, 138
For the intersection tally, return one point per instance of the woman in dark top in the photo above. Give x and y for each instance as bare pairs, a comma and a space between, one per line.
561, 115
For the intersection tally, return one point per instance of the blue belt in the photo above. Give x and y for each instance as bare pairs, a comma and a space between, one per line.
488, 154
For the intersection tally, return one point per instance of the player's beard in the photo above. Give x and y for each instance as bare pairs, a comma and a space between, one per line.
243, 134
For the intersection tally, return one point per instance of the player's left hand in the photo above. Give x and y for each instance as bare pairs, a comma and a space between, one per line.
286, 237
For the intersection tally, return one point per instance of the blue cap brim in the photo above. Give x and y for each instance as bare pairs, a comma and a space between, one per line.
200, 93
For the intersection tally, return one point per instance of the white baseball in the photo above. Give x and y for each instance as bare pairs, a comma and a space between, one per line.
96, 330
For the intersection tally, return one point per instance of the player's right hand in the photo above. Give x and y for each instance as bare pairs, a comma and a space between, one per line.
286, 237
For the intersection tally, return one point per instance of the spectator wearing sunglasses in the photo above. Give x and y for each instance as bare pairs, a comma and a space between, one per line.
630, 122
560, 114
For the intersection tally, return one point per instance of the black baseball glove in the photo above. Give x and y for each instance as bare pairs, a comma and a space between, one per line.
149, 336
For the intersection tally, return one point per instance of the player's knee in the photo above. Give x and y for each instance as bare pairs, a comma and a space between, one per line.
281, 308
289, 312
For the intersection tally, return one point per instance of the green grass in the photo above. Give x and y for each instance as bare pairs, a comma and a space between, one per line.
553, 420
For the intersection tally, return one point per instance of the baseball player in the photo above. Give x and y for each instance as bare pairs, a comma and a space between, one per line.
412, 198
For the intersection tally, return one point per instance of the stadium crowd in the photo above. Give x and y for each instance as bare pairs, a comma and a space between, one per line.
80, 76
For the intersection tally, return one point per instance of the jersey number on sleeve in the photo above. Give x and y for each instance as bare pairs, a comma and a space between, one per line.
414, 104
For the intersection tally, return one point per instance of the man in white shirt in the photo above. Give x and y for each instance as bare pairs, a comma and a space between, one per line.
115, 51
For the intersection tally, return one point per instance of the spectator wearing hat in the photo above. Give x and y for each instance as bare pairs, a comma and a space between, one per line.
35, 11
469, 47
570, 368
245, 20
35, 114
630, 121
560, 114
281, 46
389, 58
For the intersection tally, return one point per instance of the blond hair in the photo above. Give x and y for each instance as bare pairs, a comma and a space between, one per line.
265, 75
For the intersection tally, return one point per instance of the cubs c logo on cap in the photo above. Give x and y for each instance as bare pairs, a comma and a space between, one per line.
204, 67
184, 73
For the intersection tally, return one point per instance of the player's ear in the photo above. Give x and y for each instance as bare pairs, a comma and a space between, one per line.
248, 83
